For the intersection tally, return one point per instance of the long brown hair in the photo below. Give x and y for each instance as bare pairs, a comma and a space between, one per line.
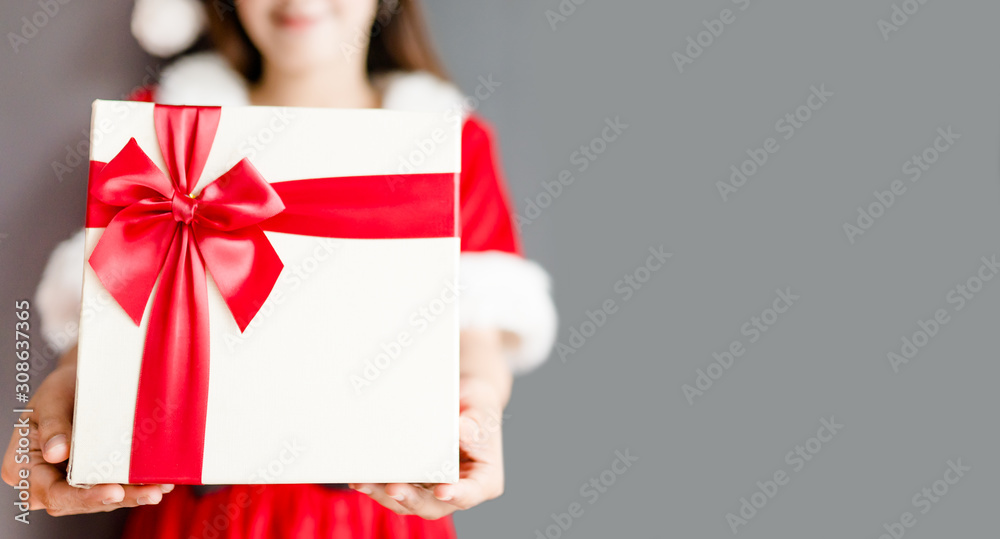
398, 40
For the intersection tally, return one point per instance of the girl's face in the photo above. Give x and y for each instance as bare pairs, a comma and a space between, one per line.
298, 35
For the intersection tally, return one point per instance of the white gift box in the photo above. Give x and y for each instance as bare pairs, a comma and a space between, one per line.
349, 370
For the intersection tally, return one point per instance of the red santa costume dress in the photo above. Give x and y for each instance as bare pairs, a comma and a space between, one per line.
504, 291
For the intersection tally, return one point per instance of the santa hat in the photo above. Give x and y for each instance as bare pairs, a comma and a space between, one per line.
166, 27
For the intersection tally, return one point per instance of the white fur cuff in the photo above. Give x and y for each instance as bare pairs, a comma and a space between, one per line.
59, 293
501, 291
507, 292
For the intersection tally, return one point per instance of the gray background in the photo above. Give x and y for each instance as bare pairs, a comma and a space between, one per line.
655, 185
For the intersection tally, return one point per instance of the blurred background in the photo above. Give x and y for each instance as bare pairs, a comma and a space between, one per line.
853, 94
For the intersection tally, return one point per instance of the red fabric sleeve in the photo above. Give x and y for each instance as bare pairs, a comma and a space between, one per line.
485, 208
142, 94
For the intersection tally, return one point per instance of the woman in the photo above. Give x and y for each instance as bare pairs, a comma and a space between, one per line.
316, 53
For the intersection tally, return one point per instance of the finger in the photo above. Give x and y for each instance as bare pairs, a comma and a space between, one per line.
376, 491
470, 432
136, 495
42, 477
418, 501
56, 449
106, 497
480, 483
478, 428
50, 491
55, 416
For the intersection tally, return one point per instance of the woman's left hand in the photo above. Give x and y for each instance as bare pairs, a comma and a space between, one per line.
481, 475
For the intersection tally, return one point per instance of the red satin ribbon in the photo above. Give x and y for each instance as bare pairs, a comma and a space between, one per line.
155, 228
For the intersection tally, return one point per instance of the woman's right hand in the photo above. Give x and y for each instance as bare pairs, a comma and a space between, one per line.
50, 428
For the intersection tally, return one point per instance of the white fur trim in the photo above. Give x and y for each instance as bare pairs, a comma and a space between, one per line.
207, 79
506, 291
202, 79
166, 27
418, 91
59, 292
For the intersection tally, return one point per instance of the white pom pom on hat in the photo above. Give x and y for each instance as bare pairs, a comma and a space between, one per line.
166, 27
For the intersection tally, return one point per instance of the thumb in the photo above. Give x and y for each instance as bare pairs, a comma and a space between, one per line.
55, 421
54, 434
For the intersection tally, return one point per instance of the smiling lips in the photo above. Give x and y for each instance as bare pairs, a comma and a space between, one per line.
294, 22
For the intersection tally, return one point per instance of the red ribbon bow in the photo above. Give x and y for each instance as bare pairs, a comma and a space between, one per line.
155, 227
162, 226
